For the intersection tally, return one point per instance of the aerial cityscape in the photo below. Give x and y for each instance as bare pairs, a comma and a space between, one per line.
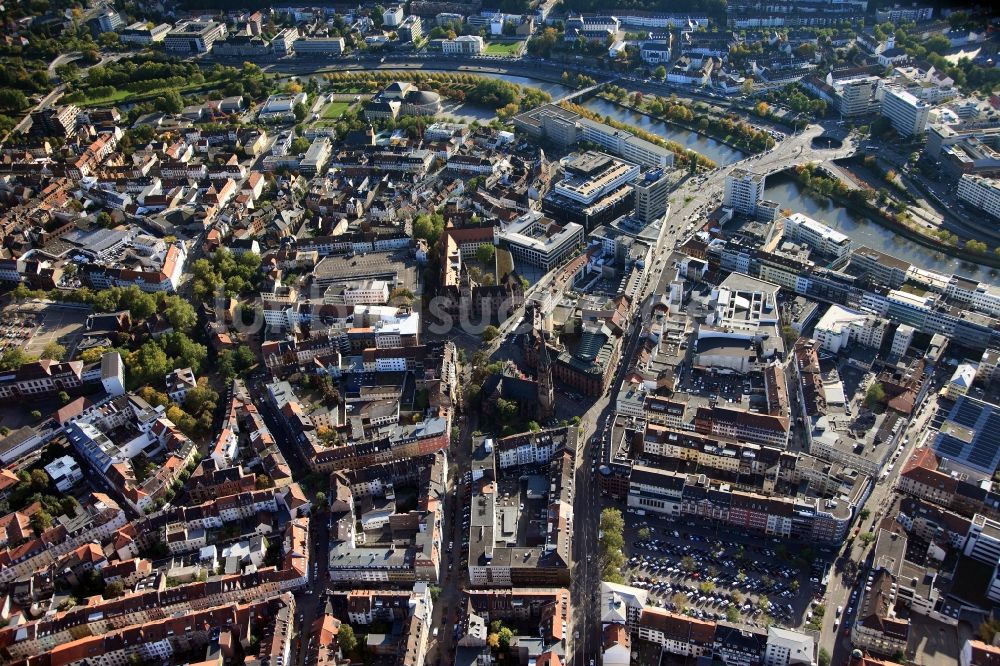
535, 333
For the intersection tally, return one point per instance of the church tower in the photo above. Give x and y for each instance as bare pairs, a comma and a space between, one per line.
546, 385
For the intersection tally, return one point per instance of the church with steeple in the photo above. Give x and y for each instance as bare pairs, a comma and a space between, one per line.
546, 383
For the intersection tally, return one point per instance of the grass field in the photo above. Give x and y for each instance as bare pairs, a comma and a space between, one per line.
496, 48
335, 110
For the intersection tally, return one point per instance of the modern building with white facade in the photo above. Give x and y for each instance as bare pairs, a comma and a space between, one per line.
392, 16
907, 113
820, 237
539, 241
743, 191
64, 472
981, 192
594, 175
195, 36
841, 326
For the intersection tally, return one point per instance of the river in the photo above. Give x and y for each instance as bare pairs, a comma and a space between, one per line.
711, 148
715, 150
789, 194
785, 191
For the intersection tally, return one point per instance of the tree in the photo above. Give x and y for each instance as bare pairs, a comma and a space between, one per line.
54, 351
201, 398
867, 537
506, 635
105, 220
864, 514
660, 73
824, 658
789, 335
321, 498
732, 615
645, 534
36, 415
346, 639
976, 246
14, 358
764, 604
169, 102
875, 395
63, 397
300, 112
41, 521
763, 109
39, 480
490, 333
12, 100
679, 601
115, 588
179, 312
300, 144
485, 253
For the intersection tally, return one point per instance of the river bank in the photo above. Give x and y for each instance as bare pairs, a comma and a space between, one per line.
878, 232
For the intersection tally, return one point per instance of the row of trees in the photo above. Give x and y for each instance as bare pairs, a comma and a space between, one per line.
612, 545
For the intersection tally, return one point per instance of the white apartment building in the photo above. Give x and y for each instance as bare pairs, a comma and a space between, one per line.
840, 327
902, 340
907, 113
820, 237
788, 648
64, 472
981, 192
744, 190
392, 16
464, 45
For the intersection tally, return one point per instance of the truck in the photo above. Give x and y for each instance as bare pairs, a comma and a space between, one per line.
640, 512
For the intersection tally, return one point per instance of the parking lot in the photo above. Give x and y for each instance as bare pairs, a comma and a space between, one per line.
31, 326
737, 578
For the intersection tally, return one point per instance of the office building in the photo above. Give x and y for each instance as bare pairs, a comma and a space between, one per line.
907, 113
820, 237
841, 327
319, 45
539, 241
195, 36
744, 191
970, 435
981, 192
857, 97
107, 21
596, 190
139, 33
564, 128
651, 192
